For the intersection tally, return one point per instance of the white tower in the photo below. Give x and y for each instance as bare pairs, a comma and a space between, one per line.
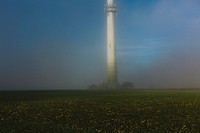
111, 9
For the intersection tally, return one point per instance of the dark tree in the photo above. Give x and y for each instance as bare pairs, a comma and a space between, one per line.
127, 85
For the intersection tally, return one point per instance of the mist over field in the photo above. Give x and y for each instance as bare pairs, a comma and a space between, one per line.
61, 44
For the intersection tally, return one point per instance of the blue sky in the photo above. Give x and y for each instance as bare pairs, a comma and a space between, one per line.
58, 44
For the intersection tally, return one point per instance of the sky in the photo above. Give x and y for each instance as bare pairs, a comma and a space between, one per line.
61, 44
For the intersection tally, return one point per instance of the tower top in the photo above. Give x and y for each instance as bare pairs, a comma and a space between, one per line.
109, 2
110, 6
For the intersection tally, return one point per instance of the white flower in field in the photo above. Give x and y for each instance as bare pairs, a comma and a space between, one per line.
2, 119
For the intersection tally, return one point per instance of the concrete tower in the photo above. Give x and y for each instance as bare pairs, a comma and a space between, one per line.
111, 9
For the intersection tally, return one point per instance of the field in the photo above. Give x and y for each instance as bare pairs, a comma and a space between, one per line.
143, 111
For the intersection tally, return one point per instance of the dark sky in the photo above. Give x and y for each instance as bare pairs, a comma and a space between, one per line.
61, 44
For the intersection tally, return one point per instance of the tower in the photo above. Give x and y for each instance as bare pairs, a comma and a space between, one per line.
111, 9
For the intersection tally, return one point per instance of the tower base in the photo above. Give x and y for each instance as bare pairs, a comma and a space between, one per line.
112, 85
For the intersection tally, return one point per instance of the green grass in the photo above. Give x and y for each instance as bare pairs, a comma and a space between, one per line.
100, 111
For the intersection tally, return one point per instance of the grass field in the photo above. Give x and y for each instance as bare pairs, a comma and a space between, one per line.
142, 111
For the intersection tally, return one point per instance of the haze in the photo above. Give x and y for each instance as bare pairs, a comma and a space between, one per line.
61, 44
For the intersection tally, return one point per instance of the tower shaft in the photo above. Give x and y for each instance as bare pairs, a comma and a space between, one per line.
111, 45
